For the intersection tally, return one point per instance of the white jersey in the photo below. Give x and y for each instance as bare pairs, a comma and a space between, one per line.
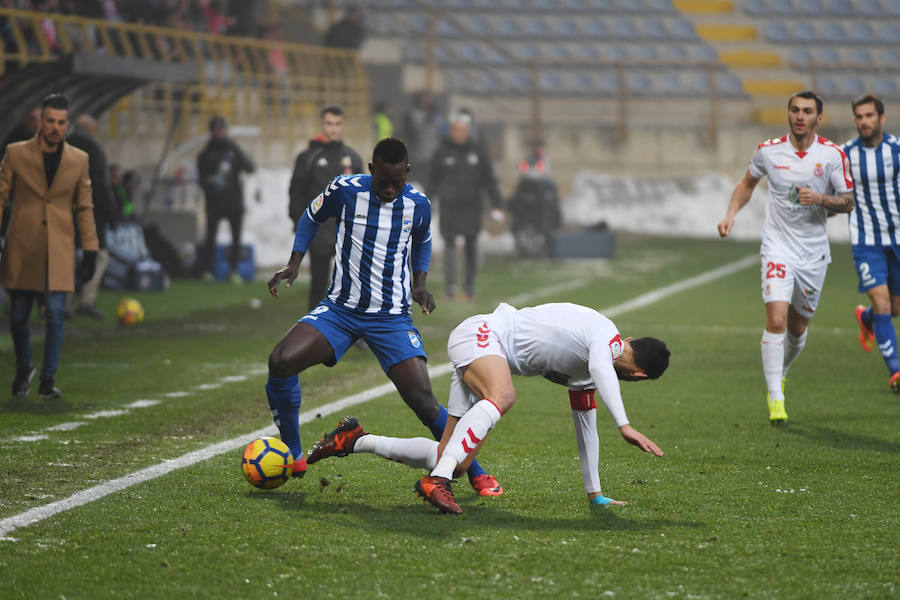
568, 344
793, 231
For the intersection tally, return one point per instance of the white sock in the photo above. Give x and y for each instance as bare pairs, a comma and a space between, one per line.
469, 431
792, 347
419, 453
772, 346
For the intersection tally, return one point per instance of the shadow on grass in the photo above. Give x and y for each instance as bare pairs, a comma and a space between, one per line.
421, 520
36, 406
841, 440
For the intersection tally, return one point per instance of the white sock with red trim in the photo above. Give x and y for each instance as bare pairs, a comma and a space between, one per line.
469, 431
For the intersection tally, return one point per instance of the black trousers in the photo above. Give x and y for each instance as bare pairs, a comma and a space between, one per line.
214, 214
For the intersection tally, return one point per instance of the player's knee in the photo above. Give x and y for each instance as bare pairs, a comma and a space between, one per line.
280, 363
504, 399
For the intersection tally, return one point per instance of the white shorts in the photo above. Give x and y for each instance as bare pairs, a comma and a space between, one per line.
798, 284
471, 340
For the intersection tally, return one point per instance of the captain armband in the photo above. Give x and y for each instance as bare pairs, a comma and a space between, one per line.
582, 399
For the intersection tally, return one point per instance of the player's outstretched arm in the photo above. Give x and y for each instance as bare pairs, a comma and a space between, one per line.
635, 437
288, 273
739, 198
838, 203
420, 294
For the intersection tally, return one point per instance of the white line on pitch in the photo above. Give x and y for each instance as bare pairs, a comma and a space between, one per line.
39, 513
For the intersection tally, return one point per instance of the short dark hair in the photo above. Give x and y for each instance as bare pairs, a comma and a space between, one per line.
809, 95
865, 99
332, 109
650, 355
391, 151
56, 101
217, 122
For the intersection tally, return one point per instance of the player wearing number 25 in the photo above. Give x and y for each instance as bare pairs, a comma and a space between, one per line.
809, 180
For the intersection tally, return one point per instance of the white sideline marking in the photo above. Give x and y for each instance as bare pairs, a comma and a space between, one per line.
103, 414
39, 513
177, 394
66, 426
142, 404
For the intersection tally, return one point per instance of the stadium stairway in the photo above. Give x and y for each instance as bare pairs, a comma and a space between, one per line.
737, 39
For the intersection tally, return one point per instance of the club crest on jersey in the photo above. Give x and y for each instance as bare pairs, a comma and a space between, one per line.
414, 340
407, 225
317, 204
616, 347
818, 172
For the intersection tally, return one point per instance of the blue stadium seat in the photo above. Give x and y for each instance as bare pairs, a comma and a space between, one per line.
852, 86
624, 29
826, 86
596, 28
729, 84
667, 83
892, 8
755, 8
828, 58
704, 53
841, 8
600, 5
862, 32
550, 82
777, 31
654, 29
605, 83
890, 57
586, 52
505, 26
860, 58
782, 9
886, 87
565, 27
811, 8
675, 53
577, 83
557, 52
520, 81
418, 23
525, 50
889, 32
868, 8
658, 6
800, 57
476, 24
645, 53
682, 29
380, 24
802, 32
537, 27
698, 83
615, 52
470, 53
444, 28
833, 32
639, 83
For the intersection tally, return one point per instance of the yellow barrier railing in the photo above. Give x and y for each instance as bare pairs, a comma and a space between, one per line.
272, 84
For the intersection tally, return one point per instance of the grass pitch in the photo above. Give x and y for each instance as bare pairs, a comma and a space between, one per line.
736, 508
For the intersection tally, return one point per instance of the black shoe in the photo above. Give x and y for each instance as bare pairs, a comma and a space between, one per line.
22, 382
48, 390
86, 310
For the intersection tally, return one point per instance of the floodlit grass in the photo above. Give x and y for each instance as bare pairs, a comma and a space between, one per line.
736, 508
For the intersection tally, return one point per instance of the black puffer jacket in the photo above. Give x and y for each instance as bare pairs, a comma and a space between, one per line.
460, 176
219, 168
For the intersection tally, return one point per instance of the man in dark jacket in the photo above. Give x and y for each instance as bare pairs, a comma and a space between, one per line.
326, 157
219, 168
460, 174
85, 138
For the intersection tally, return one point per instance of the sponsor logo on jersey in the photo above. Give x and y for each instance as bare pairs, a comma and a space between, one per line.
414, 339
616, 347
317, 203
785, 167
818, 172
322, 162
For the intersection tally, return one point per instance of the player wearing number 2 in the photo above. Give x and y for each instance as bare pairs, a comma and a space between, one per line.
809, 180
875, 164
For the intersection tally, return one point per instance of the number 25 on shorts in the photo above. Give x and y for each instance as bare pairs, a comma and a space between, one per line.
775, 270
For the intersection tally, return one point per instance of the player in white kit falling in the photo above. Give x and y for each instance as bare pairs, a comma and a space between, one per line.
568, 344
809, 180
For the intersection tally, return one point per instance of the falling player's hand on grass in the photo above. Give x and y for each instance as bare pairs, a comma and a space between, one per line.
633, 436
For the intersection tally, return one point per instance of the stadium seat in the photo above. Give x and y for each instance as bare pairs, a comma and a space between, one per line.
675, 53
802, 32
615, 52
862, 32
704, 53
889, 32
868, 8
892, 8
668, 83
833, 32
645, 53
639, 84
852, 86
777, 31
755, 8
605, 83
841, 8
729, 84
785, 8
890, 57
586, 52
550, 82
504, 26
555, 52
654, 29
885, 87
860, 58
826, 58
536, 27
811, 8
470, 53
682, 29
445, 28
826, 86
596, 28
657, 6
565, 28
800, 57
525, 51
519, 81
698, 83
476, 24
417, 23
624, 29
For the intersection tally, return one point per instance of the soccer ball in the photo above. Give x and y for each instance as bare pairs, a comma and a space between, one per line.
130, 311
267, 463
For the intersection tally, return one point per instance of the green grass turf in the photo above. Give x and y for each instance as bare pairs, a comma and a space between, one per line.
736, 508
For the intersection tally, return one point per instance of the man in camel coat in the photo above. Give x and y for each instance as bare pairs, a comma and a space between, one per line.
48, 183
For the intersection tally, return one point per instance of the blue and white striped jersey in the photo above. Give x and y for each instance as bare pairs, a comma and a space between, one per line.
374, 244
875, 219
